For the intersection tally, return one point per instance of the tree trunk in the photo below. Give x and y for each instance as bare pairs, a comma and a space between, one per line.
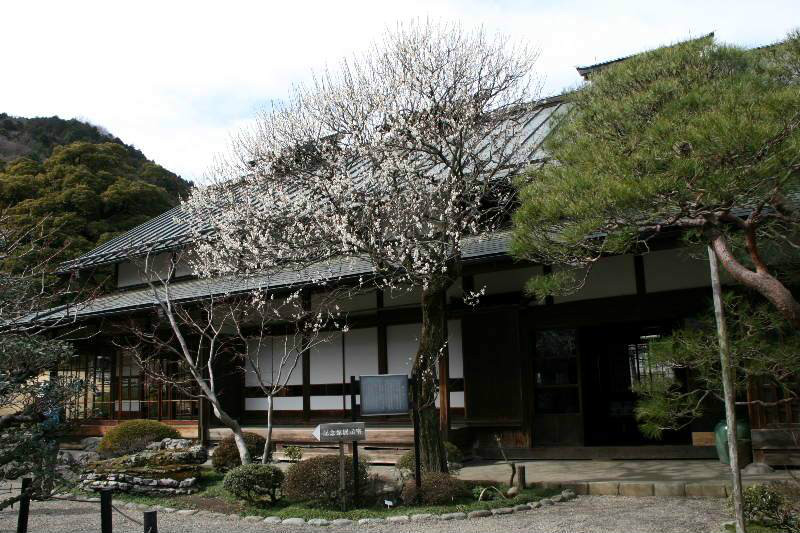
760, 280
268, 443
432, 344
728, 392
238, 436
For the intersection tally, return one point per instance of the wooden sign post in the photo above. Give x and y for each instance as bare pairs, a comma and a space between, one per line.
340, 432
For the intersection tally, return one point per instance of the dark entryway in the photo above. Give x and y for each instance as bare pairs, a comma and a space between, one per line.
613, 359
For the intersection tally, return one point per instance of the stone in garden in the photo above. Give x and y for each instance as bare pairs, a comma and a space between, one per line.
367, 521
294, 522
397, 518
558, 498
252, 518
188, 482
272, 520
480, 513
188, 512
534, 505
421, 516
90, 444
568, 494
546, 501
756, 469
453, 516
513, 491
340, 522
168, 510
318, 522
502, 510
521, 507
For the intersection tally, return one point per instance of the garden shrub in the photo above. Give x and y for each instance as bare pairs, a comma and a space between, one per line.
766, 505
406, 464
254, 482
134, 435
293, 453
438, 488
226, 454
316, 480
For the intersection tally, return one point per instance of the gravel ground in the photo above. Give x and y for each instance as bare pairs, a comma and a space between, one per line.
587, 514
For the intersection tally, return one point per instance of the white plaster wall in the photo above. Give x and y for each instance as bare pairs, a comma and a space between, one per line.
326, 360
269, 357
512, 280
361, 352
280, 403
669, 270
402, 342
131, 272
611, 276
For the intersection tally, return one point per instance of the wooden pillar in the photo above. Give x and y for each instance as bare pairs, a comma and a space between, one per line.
383, 346
306, 361
444, 380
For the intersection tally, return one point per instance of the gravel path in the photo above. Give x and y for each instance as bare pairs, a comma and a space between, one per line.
587, 514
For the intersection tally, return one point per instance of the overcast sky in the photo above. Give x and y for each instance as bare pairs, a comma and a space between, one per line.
177, 78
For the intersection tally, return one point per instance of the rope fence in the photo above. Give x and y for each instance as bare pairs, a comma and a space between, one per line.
149, 523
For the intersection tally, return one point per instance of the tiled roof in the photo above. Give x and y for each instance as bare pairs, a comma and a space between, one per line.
474, 249
586, 71
175, 228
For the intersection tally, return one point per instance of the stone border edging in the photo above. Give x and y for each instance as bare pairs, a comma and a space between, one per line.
566, 495
676, 489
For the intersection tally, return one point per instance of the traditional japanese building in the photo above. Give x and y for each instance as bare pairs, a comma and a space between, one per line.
550, 379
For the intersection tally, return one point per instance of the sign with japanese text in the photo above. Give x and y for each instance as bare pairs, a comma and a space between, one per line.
340, 432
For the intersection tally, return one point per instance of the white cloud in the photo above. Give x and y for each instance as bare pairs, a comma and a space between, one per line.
176, 79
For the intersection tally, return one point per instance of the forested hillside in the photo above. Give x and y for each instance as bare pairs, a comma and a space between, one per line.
81, 184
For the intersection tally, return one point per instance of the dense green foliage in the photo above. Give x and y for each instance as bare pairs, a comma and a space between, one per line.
406, 465
677, 137
85, 193
134, 435
438, 488
764, 349
254, 482
767, 506
36, 137
226, 454
316, 480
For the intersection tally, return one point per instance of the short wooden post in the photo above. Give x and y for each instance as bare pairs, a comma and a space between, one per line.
353, 387
24, 506
105, 512
342, 478
521, 478
150, 522
415, 416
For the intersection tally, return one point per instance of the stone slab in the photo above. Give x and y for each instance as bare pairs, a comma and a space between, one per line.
706, 490
669, 489
604, 488
503, 510
272, 520
293, 522
421, 516
636, 489
318, 522
341, 522
577, 488
481, 513
397, 518
453, 516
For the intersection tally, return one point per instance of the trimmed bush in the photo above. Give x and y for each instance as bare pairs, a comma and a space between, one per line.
765, 505
254, 483
226, 454
406, 463
133, 436
437, 489
316, 480
293, 453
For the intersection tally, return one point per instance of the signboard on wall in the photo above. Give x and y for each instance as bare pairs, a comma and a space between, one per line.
385, 394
